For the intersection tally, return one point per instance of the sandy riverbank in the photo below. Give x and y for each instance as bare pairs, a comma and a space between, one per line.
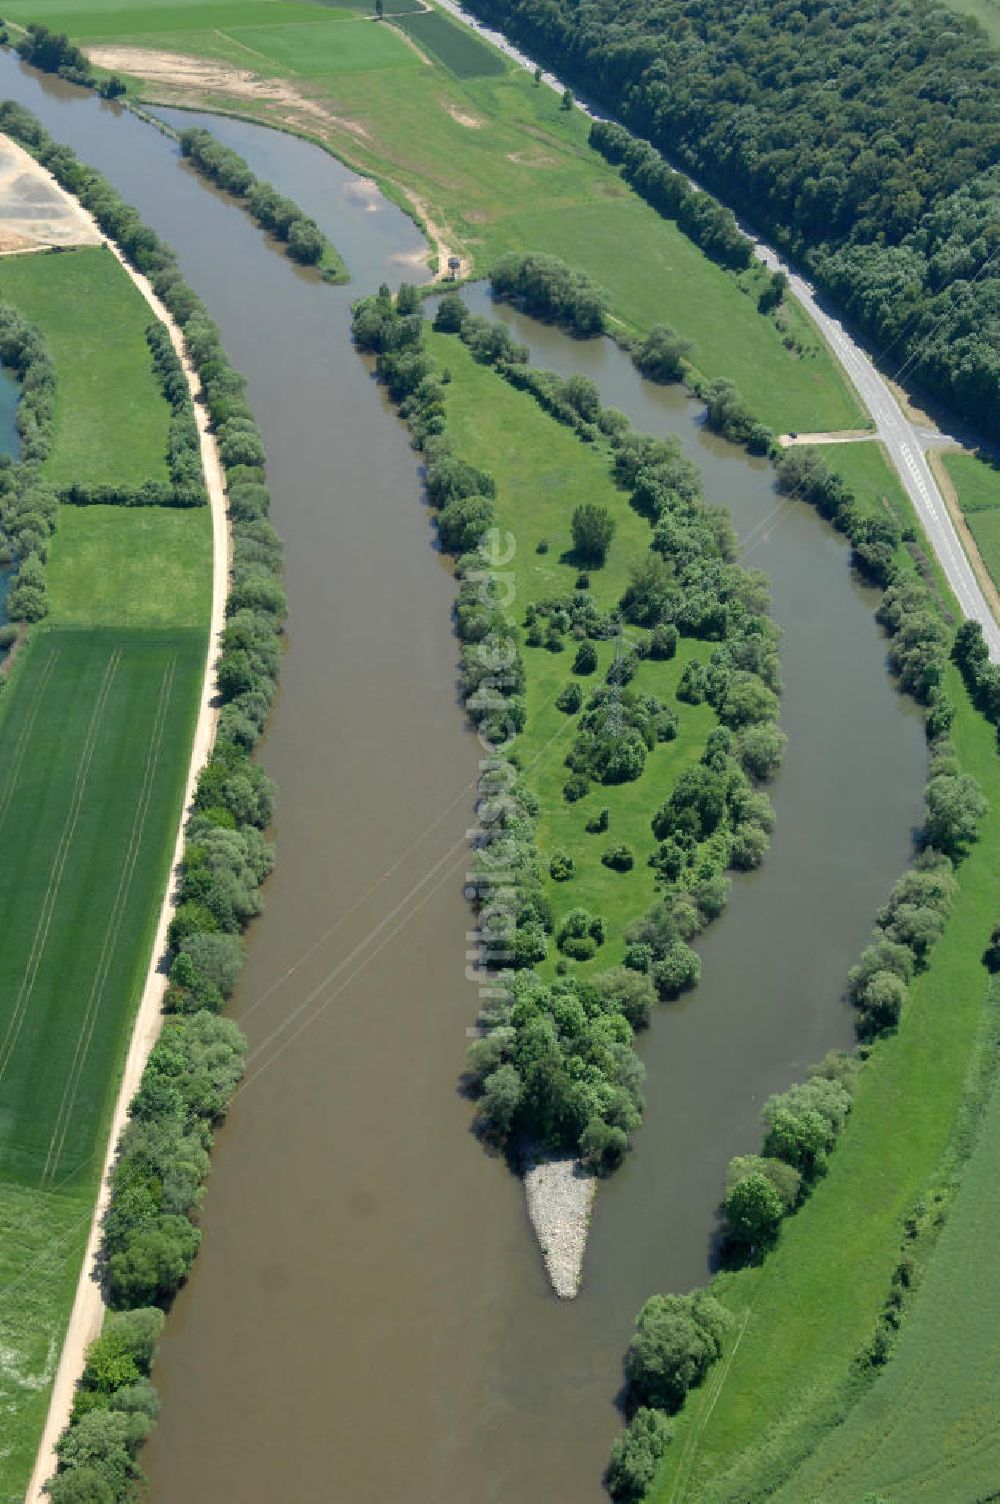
87, 1314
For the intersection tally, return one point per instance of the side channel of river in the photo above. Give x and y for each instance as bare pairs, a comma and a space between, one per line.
368, 1320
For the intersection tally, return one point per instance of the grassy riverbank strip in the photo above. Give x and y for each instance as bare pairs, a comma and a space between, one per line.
805, 1340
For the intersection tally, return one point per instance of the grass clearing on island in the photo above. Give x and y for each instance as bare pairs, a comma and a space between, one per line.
131, 567
543, 472
111, 418
497, 165
95, 740
914, 1437
806, 1314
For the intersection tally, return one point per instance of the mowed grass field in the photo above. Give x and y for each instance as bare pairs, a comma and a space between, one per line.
131, 567
917, 1438
475, 147
543, 472
803, 1317
111, 418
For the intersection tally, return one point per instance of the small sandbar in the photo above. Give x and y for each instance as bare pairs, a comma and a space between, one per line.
34, 210
560, 1196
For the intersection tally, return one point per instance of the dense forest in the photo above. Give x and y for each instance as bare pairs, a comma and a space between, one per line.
861, 136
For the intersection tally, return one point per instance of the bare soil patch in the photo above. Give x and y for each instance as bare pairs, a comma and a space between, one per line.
460, 117
34, 210
199, 77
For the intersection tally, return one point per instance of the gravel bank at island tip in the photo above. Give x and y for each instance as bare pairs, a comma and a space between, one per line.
560, 1195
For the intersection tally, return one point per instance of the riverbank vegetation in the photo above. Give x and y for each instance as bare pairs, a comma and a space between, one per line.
815, 1312
632, 713
906, 252
150, 1236
494, 163
301, 236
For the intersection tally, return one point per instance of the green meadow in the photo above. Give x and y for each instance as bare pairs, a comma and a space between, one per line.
804, 1316
787, 1379
543, 472
915, 1437
131, 566
471, 143
111, 418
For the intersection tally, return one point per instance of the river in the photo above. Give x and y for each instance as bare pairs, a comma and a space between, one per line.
368, 1319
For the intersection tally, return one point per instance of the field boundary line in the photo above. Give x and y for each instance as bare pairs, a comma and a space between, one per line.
44, 924
113, 928
87, 1315
25, 733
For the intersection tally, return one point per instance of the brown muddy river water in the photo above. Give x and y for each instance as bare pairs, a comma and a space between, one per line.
368, 1321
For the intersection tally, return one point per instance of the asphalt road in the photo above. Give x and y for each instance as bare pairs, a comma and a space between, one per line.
906, 443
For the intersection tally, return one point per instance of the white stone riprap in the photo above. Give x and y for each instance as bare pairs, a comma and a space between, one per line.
560, 1196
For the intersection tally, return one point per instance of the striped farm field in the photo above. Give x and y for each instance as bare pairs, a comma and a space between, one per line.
95, 739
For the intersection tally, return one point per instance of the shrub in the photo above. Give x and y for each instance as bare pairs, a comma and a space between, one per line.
677, 971
593, 528
570, 699
753, 1212
677, 1338
585, 661
602, 1146
663, 641
561, 867
954, 807
619, 858
635, 1455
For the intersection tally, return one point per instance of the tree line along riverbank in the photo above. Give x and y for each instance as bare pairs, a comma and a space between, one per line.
149, 1237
